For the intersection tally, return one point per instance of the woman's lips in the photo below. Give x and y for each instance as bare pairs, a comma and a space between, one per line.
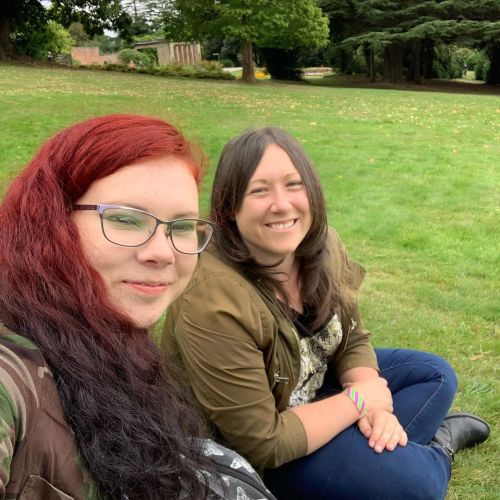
147, 288
281, 226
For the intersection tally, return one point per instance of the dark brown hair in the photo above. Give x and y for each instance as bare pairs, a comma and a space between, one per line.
132, 423
238, 161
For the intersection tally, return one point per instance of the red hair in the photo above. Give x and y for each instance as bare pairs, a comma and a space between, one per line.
50, 294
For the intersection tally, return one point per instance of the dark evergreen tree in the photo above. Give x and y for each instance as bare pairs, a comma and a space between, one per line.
414, 27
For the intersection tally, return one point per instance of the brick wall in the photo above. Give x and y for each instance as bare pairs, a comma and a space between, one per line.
90, 55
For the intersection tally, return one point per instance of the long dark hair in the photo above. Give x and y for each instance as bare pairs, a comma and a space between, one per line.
131, 420
239, 160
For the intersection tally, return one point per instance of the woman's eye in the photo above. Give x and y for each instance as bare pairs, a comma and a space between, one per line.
125, 221
295, 184
257, 190
181, 227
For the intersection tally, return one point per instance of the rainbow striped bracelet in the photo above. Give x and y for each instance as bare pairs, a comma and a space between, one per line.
357, 399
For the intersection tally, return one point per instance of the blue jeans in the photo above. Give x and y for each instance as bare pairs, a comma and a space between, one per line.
423, 387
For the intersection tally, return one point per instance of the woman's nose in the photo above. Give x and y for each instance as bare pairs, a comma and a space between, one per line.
280, 201
158, 249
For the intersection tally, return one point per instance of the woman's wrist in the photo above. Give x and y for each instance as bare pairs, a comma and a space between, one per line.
357, 400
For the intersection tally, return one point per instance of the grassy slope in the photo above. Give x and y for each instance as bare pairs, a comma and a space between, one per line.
411, 180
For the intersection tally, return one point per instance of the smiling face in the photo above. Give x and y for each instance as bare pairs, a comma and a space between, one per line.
141, 281
274, 216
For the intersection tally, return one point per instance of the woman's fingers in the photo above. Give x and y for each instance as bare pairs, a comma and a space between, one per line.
387, 432
364, 426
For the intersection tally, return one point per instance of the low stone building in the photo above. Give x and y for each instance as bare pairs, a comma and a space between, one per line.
166, 52
173, 52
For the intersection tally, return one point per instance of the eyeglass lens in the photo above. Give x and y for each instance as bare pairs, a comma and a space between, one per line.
133, 228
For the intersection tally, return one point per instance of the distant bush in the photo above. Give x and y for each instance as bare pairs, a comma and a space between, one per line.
449, 62
211, 66
347, 60
199, 70
138, 58
482, 66
227, 63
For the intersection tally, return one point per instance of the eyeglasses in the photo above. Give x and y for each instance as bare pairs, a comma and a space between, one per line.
131, 227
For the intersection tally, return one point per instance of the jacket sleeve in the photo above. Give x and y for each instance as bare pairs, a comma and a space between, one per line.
357, 350
222, 333
7, 438
15, 402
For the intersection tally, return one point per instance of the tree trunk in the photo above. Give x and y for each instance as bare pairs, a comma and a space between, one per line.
248, 74
428, 56
366, 54
369, 54
6, 47
393, 63
417, 61
373, 72
493, 76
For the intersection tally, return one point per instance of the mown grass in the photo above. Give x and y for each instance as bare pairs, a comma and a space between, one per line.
411, 180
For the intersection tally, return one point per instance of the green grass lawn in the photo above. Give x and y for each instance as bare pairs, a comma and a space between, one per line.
412, 184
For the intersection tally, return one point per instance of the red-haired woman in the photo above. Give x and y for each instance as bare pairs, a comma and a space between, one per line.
99, 234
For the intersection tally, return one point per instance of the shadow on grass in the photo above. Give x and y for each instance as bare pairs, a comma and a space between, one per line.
447, 86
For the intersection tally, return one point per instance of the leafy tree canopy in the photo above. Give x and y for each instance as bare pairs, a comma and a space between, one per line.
280, 23
22, 19
95, 15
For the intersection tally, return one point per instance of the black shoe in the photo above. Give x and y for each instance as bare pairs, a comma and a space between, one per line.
459, 431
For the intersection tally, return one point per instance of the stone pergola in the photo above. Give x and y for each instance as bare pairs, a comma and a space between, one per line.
173, 52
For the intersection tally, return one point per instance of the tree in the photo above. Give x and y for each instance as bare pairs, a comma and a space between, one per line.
78, 33
20, 19
16, 14
95, 15
415, 26
50, 38
282, 24
146, 15
149, 12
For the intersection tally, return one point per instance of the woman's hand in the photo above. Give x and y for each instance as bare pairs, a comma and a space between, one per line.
383, 430
375, 393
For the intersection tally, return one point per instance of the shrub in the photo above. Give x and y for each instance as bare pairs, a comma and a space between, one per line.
451, 61
482, 68
227, 63
174, 69
138, 58
346, 59
210, 66
36, 43
446, 64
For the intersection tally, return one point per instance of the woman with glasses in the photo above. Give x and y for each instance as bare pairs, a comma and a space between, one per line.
272, 341
99, 234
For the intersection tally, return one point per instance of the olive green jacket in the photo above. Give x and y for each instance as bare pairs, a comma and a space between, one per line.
243, 362
38, 455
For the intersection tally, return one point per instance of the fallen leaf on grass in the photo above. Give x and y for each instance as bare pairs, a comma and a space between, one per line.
476, 356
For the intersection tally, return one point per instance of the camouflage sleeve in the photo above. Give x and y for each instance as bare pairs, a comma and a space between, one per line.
17, 395
7, 436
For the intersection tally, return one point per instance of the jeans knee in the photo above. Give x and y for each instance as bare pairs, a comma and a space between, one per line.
448, 376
